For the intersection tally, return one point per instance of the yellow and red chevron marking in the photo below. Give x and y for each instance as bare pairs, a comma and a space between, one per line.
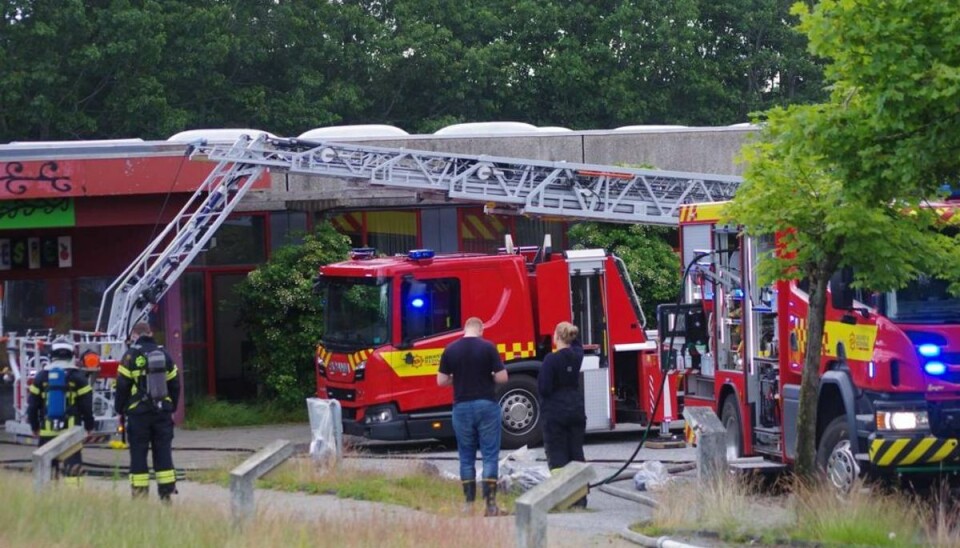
359, 356
323, 353
909, 451
800, 328
482, 227
513, 351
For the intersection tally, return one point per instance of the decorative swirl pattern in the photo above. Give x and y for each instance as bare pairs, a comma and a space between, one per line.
16, 182
11, 209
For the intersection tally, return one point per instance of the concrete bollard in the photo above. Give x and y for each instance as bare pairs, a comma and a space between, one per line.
62, 446
564, 486
707, 432
242, 504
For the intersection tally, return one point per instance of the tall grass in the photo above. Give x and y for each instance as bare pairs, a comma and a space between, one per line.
92, 517
212, 413
737, 511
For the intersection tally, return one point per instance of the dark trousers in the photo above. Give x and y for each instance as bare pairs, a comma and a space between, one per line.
564, 425
153, 430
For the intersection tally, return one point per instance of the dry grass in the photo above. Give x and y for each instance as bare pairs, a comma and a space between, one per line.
737, 511
91, 517
408, 484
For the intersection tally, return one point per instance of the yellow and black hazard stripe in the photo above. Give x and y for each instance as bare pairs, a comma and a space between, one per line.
513, 351
357, 357
909, 451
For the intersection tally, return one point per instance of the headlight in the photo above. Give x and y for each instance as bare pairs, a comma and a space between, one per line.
377, 416
321, 367
902, 420
360, 371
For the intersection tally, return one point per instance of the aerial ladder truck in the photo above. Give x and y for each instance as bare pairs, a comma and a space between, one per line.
605, 299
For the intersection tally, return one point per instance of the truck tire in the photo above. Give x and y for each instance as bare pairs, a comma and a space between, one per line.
730, 417
835, 458
520, 409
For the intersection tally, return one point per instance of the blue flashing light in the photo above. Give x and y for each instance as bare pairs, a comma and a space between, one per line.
420, 254
417, 303
935, 368
929, 350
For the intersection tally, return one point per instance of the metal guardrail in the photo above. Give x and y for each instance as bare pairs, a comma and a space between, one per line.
62, 446
242, 504
564, 487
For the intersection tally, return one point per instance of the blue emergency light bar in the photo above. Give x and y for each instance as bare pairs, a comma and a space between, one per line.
420, 254
362, 253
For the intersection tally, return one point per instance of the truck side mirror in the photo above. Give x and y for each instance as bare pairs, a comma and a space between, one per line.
841, 294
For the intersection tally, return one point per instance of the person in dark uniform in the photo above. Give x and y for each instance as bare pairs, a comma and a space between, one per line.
61, 379
149, 416
561, 400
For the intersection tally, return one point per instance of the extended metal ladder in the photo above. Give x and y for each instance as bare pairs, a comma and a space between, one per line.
561, 189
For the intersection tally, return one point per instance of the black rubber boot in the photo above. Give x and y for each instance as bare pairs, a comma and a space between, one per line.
490, 498
469, 495
140, 492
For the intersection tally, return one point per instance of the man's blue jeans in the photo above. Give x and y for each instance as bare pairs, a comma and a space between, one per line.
477, 425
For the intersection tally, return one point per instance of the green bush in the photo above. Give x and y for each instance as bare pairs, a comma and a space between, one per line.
284, 315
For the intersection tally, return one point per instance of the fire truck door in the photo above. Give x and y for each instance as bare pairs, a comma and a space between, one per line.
588, 310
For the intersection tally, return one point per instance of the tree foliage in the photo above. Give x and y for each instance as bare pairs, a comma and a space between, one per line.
149, 68
844, 182
284, 316
652, 263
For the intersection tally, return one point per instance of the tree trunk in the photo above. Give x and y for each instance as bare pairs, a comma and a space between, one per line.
806, 467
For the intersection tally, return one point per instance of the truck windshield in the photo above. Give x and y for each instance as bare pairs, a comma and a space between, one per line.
356, 312
924, 300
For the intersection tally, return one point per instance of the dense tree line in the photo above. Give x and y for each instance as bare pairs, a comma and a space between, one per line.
150, 68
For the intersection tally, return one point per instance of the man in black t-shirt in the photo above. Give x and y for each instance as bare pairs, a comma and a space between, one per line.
472, 365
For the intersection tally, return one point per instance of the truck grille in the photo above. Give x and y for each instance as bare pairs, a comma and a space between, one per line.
342, 394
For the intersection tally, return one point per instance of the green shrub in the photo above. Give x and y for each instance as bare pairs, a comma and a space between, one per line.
284, 315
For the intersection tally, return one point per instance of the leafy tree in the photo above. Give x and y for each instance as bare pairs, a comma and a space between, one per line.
284, 316
652, 263
845, 181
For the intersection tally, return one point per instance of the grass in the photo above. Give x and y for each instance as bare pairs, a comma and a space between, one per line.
212, 413
96, 517
411, 485
737, 511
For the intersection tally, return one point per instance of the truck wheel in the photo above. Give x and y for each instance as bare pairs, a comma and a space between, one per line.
520, 410
730, 416
835, 458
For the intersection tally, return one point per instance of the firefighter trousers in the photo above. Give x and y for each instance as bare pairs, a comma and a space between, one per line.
70, 468
148, 432
564, 425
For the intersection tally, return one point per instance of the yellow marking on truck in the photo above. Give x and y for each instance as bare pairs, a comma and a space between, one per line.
891, 454
858, 340
413, 363
918, 451
512, 351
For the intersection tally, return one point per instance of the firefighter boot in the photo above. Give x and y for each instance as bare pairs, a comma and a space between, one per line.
490, 498
140, 492
469, 495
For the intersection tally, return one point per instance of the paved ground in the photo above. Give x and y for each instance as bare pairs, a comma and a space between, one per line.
203, 449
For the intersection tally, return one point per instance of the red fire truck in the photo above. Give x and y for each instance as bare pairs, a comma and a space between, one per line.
889, 399
387, 320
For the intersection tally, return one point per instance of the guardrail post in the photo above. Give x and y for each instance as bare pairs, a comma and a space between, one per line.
242, 504
705, 429
564, 486
62, 446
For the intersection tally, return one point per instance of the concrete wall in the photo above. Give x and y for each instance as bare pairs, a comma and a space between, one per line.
699, 150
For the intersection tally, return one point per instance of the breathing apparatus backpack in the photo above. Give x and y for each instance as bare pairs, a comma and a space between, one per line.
56, 390
155, 378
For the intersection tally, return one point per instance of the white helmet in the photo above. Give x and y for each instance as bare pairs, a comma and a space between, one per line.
61, 349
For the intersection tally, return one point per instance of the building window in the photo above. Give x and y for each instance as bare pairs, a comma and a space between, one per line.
90, 292
429, 307
239, 241
287, 228
38, 305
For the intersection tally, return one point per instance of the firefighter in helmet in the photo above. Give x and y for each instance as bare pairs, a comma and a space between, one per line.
60, 397
148, 390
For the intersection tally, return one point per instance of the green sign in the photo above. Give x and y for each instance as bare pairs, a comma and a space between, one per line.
46, 213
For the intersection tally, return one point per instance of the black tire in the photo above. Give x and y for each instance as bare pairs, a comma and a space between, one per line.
520, 408
835, 458
730, 417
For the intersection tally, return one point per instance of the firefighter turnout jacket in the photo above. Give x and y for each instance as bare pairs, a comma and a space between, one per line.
78, 395
132, 398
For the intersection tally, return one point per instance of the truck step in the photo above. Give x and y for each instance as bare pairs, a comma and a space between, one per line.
756, 463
